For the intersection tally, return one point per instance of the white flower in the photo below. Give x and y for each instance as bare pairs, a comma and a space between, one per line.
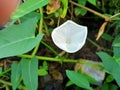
70, 36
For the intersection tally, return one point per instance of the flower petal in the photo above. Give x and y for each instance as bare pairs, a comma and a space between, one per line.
70, 36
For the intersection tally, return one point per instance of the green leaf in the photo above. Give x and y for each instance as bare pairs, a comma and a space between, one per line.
15, 75
43, 69
116, 42
81, 11
109, 79
42, 72
116, 51
116, 46
65, 7
0, 70
78, 79
45, 66
28, 6
30, 15
90, 79
82, 2
69, 83
19, 39
107, 37
107, 86
93, 2
111, 65
113, 87
30, 73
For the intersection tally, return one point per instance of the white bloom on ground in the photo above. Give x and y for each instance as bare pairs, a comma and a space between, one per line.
70, 36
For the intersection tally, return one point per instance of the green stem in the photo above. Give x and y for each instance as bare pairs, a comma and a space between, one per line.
65, 7
92, 42
6, 71
90, 10
49, 47
7, 88
98, 46
5, 82
41, 20
55, 52
40, 31
115, 15
49, 58
46, 29
10, 84
35, 50
81, 61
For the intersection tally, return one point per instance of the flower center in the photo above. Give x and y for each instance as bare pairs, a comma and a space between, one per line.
68, 40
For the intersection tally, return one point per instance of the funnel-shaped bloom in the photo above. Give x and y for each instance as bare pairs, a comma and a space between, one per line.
69, 36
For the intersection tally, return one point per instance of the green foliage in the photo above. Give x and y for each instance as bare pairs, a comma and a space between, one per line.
65, 7
30, 73
109, 87
81, 11
110, 65
26, 69
28, 7
116, 42
43, 69
15, 75
93, 2
69, 83
116, 51
107, 37
19, 39
78, 79
116, 47
116, 24
109, 79
30, 15
0, 70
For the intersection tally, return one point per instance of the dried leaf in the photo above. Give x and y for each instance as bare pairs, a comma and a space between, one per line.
101, 30
53, 6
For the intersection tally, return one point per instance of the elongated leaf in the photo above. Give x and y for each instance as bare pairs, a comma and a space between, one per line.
111, 65
116, 46
28, 6
116, 51
107, 37
93, 2
19, 39
0, 70
30, 15
81, 11
42, 72
116, 42
15, 75
30, 73
78, 79
65, 7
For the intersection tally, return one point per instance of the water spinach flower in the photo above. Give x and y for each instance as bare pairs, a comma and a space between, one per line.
70, 36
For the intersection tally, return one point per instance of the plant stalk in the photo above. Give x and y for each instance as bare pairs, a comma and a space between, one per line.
6, 71
90, 10
81, 61
5, 82
40, 31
